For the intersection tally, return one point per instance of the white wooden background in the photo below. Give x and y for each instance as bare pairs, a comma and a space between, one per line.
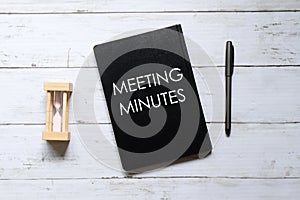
50, 40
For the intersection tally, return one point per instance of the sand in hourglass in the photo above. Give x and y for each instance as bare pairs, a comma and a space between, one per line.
57, 116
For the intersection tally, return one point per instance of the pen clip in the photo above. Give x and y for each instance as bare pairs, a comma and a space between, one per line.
232, 60
229, 59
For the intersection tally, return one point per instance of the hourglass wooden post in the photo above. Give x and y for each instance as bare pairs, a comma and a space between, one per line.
57, 111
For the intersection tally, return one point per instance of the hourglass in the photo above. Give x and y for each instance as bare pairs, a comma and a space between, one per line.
57, 111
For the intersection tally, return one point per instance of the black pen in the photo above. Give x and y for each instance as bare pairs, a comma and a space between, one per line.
229, 65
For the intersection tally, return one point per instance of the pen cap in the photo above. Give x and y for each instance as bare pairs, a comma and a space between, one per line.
229, 59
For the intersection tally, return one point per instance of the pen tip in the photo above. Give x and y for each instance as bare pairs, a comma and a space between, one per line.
227, 132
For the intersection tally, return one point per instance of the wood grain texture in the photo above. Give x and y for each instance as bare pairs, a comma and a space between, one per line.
256, 94
63, 40
188, 188
54, 86
56, 136
253, 150
49, 112
87, 6
49, 41
65, 115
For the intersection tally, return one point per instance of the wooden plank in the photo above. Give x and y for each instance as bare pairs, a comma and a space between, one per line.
257, 95
66, 40
156, 188
56, 136
32, 157
65, 116
49, 112
81, 6
54, 86
253, 150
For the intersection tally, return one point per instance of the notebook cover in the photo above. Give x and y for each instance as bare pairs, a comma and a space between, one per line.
152, 99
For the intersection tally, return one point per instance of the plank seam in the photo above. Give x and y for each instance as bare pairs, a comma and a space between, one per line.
153, 177
108, 123
197, 66
146, 12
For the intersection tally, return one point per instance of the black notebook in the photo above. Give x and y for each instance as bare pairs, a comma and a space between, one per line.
152, 99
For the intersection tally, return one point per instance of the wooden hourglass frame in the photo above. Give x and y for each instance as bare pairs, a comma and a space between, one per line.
57, 111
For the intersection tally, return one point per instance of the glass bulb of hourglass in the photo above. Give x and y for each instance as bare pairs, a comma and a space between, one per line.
57, 115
